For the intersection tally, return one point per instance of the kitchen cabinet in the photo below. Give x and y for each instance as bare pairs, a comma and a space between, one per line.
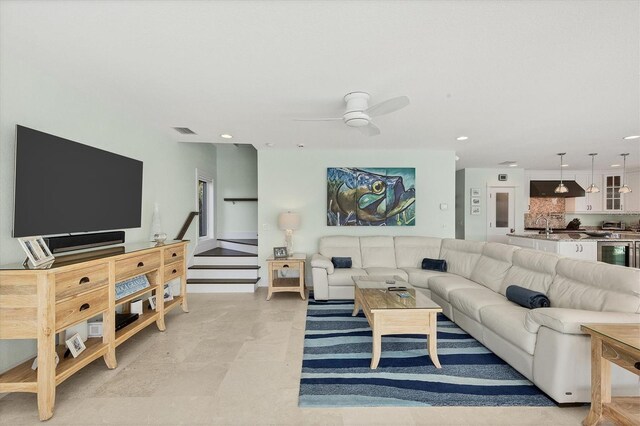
576, 249
590, 203
613, 200
631, 201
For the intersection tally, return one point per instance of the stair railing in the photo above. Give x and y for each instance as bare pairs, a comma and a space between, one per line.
185, 227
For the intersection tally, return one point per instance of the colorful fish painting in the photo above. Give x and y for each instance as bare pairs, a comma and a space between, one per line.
370, 196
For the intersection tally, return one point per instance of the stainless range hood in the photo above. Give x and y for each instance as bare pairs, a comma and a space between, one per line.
545, 188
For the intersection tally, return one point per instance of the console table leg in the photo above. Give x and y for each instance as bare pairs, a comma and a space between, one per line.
433, 340
46, 375
600, 382
183, 292
377, 344
185, 306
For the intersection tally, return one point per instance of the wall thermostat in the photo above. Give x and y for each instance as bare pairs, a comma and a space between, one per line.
502, 177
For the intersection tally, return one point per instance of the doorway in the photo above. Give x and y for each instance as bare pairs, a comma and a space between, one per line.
501, 215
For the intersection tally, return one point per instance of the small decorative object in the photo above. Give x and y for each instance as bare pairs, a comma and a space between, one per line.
502, 177
152, 302
475, 210
34, 365
81, 329
76, 345
136, 307
289, 222
95, 329
160, 237
168, 294
156, 225
574, 224
475, 201
38, 254
390, 281
280, 252
128, 287
475, 192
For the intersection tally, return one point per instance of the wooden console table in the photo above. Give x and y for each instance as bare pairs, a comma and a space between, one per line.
39, 303
619, 344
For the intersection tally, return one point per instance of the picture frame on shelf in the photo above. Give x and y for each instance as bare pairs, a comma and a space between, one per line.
152, 302
280, 253
475, 210
37, 251
475, 192
168, 293
475, 201
75, 345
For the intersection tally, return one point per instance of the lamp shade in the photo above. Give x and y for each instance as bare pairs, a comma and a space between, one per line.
289, 220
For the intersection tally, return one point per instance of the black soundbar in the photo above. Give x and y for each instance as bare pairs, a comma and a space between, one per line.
83, 241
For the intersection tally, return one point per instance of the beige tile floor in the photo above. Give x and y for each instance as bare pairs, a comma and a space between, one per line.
233, 360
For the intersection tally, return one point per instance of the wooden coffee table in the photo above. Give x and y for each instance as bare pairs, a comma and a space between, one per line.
388, 313
619, 344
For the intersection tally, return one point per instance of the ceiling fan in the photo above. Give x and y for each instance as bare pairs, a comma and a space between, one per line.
358, 112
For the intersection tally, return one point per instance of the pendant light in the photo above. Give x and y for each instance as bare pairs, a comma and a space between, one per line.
592, 188
561, 189
624, 189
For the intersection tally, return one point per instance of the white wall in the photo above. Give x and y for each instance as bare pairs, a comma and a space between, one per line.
31, 98
475, 226
297, 181
236, 177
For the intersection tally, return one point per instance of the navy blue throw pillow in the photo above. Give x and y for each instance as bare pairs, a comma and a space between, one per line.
341, 262
527, 298
434, 264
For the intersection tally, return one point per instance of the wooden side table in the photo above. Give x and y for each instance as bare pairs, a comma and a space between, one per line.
620, 344
287, 274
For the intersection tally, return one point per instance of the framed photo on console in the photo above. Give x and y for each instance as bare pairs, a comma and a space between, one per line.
280, 253
37, 251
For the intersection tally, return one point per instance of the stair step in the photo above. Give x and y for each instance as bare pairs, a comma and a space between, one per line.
245, 241
224, 267
220, 252
222, 281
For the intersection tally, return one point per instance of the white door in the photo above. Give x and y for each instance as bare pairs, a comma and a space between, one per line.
501, 216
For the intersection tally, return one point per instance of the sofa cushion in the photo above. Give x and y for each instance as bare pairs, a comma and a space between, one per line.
595, 286
377, 252
419, 277
532, 269
342, 262
508, 322
461, 255
434, 264
388, 272
340, 246
443, 285
343, 277
411, 250
470, 301
493, 264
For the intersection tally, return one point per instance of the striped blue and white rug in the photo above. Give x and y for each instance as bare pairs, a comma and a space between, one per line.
337, 354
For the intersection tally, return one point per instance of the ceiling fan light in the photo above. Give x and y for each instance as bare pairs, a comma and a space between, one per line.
592, 189
561, 189
624, 189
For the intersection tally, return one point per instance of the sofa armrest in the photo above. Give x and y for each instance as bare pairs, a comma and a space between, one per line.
568, 321
320, 261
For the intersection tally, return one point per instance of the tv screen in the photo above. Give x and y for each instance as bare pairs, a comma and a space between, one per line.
63, 186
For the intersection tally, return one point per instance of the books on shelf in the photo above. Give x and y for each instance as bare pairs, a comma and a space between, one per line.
125, 288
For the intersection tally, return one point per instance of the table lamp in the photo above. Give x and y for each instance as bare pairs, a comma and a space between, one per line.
289, 222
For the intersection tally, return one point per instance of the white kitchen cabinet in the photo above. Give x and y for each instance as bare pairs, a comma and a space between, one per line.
576, 249
522, 242
590, 203
631, 201
612, 200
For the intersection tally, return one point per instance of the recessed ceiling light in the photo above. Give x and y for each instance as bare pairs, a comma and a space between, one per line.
226, 136
462, 138
565, 165
513, 165
615, 165
631, 137
269, 144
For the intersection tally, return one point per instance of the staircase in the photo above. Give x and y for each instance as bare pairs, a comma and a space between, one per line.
230, 268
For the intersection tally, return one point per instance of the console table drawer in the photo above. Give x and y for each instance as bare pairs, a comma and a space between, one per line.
173, 270
173, 254
81, 280
81, 307
137, 265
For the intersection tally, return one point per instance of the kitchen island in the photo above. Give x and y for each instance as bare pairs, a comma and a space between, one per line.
578, 245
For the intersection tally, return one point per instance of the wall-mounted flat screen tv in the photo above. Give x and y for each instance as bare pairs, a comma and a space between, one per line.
63, 187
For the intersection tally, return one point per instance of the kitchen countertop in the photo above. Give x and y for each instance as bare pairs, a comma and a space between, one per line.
573, 236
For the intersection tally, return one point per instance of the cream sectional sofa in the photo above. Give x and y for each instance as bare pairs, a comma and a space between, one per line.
545, 345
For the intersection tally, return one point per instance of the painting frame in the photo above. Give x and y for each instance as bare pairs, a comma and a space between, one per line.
476, 210
280, 253
38, 253
475, 192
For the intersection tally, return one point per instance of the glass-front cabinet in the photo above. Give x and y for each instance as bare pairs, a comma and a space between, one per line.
613, 200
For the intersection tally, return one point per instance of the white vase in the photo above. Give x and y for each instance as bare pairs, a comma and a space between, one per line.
156, 225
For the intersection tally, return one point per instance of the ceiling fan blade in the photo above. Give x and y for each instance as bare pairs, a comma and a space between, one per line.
317, 119
370, 130
387, 106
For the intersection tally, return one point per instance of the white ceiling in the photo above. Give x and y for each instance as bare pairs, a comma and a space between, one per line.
524, 80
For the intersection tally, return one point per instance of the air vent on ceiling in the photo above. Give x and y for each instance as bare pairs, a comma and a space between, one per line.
508, 163
184, 131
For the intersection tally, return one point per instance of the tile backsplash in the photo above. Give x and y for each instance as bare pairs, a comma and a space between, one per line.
552, 208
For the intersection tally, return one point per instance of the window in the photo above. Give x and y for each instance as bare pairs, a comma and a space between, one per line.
204, 205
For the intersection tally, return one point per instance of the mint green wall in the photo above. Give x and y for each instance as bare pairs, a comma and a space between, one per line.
297, 181
30, 97
236, 177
